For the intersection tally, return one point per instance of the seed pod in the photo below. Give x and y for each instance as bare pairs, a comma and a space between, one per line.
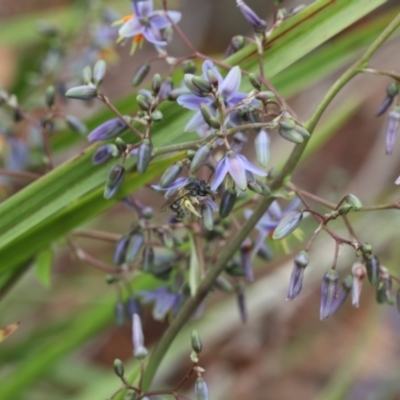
201, 389
75, 124
120, 250
288, 224
99, 72
209, 117
227, 202
114, 181
104, 153
201, 157
392, 128
372, 265
189, 67
354, 202
148, 258
291, 135
156, 83
156, 116
84, 92
119, 368
119, 313
143, 102
135, 245
329, 292
87, 75
262, 143
201, 84
144, 156
140, 74
196, 342
50, 95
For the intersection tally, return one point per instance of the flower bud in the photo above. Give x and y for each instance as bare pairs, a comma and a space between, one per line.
50, 96
156, 83
84, 92
342, 295
156, 116
207, 213
75, 124
288, 224
266, 96
170, 174
107, 130
87, 75
143, 102
223, 284
246, 259
104, 153
366, 248
354, 202
114, 181
392, 128
303, 131
329, 292
135, 245
111, 279
344, 209
190, 85
99, 72
203, 85
133, 307
168, 239
262, 143
372, 265
148, 258
119, 368
196, 342
255, 81
385, 105
238, 42
139, 351
119, 313
140, 74
165, 89
359, 272
120, 250
201, 389
201, 157
291, 135
234, 267
227, 202
212, 78
258, 24
144, 156
175, 93
380, 293
209, 117
189, 67
393, 89
241, 301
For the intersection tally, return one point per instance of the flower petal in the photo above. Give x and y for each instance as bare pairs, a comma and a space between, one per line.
237, 169
175, 16
275, 210
153, 35
220, 172
163, 305
195, 123
192, 102
231, 83
159, 21
143, 8
179, 182
131, 28
247, 165
209, 65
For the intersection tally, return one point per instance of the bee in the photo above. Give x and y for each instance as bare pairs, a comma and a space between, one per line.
184, 201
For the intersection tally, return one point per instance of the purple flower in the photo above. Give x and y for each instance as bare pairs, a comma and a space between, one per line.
164, 301
227, 88
258, 24
236, 166
145, 23
107, 130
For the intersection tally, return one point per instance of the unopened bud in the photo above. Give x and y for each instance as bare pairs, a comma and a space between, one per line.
303, 131
139, 351
344, 209
255, 81
84, 92
135, 245
201, 389
76, 124
329, 292
104, 153
203, 85
354, 202
223, 284
143, 102
291, 135
296, 278
189, 67
120, 250
262, 147
50, 95
196, 342
99, 72
288, 224
392, 128
201, 157
156, 116
170, 174
148, 258
372, 265
119, 368
209, 117
227, 202
359, 272
119, 313
87, 75
114, 181
140, 74
144, 156
156, 83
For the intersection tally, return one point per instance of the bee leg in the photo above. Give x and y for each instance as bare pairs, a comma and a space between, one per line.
188, 205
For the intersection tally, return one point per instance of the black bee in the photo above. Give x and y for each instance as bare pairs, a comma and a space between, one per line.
184, 201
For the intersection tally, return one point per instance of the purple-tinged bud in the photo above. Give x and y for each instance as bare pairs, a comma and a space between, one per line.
87, 75
84, 92
114, 181
354, 202
227, 202
144, 156
196, 342
156, 116
246, 257
203, 85
165, 89
140, 74
148, 258
133, 307
76, 124
175, 93
119, 313
139, 351
262, 147
258, 24
343, 293
156, 83
296, 278
372, 265
241, 301
359, 273
189, 67
135, 245
201, 389
107, 130
255, 81
385, 105
170, 174
143, 102
201, 157
392, 127
288, 224
265, 253
104, 153
50, 96
119, 368
303, 131
212, 78
393, 89
291, 135
120, 250
237, 43
223, 284
329, 292
99, 72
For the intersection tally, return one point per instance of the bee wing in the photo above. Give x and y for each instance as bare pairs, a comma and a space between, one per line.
176, 196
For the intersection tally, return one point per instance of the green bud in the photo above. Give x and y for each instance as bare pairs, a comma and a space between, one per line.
120, 144
227, 202
189, 67
223, 284
288, 224
50, 95
144, 156
190, 154
303, 131
344, 209
209, 117
291, 135
156, 83
393, 89
380, 293
148, 258
99, 72
135, 245
114, 181
238, 42
372, 265
235, 268
75, 124
156, 116
266, 96
190, 85
201, 84
175, 93
255, 81
143, 102
354, 202
302, 259
84, 92
140, 74
119, 368
366, 248
171, 173
208, 217
287, 124
111, 279
87, 75
196, 342
201, 157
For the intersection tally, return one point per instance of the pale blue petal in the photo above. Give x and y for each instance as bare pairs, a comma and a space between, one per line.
159, 21
275, 210
163, 305
131, 28
293, 205
236, 169
209, 65
192, 102
231, 83
247, 165
153, 35
220, 172
143, 8
179, 182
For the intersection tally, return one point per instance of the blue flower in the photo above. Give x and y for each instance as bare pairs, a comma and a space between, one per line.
227, 89
145, 24
164, 301
236, 166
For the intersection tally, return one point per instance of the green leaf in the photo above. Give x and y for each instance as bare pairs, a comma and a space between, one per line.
42, 265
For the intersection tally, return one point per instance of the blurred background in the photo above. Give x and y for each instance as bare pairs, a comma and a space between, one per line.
68, 339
